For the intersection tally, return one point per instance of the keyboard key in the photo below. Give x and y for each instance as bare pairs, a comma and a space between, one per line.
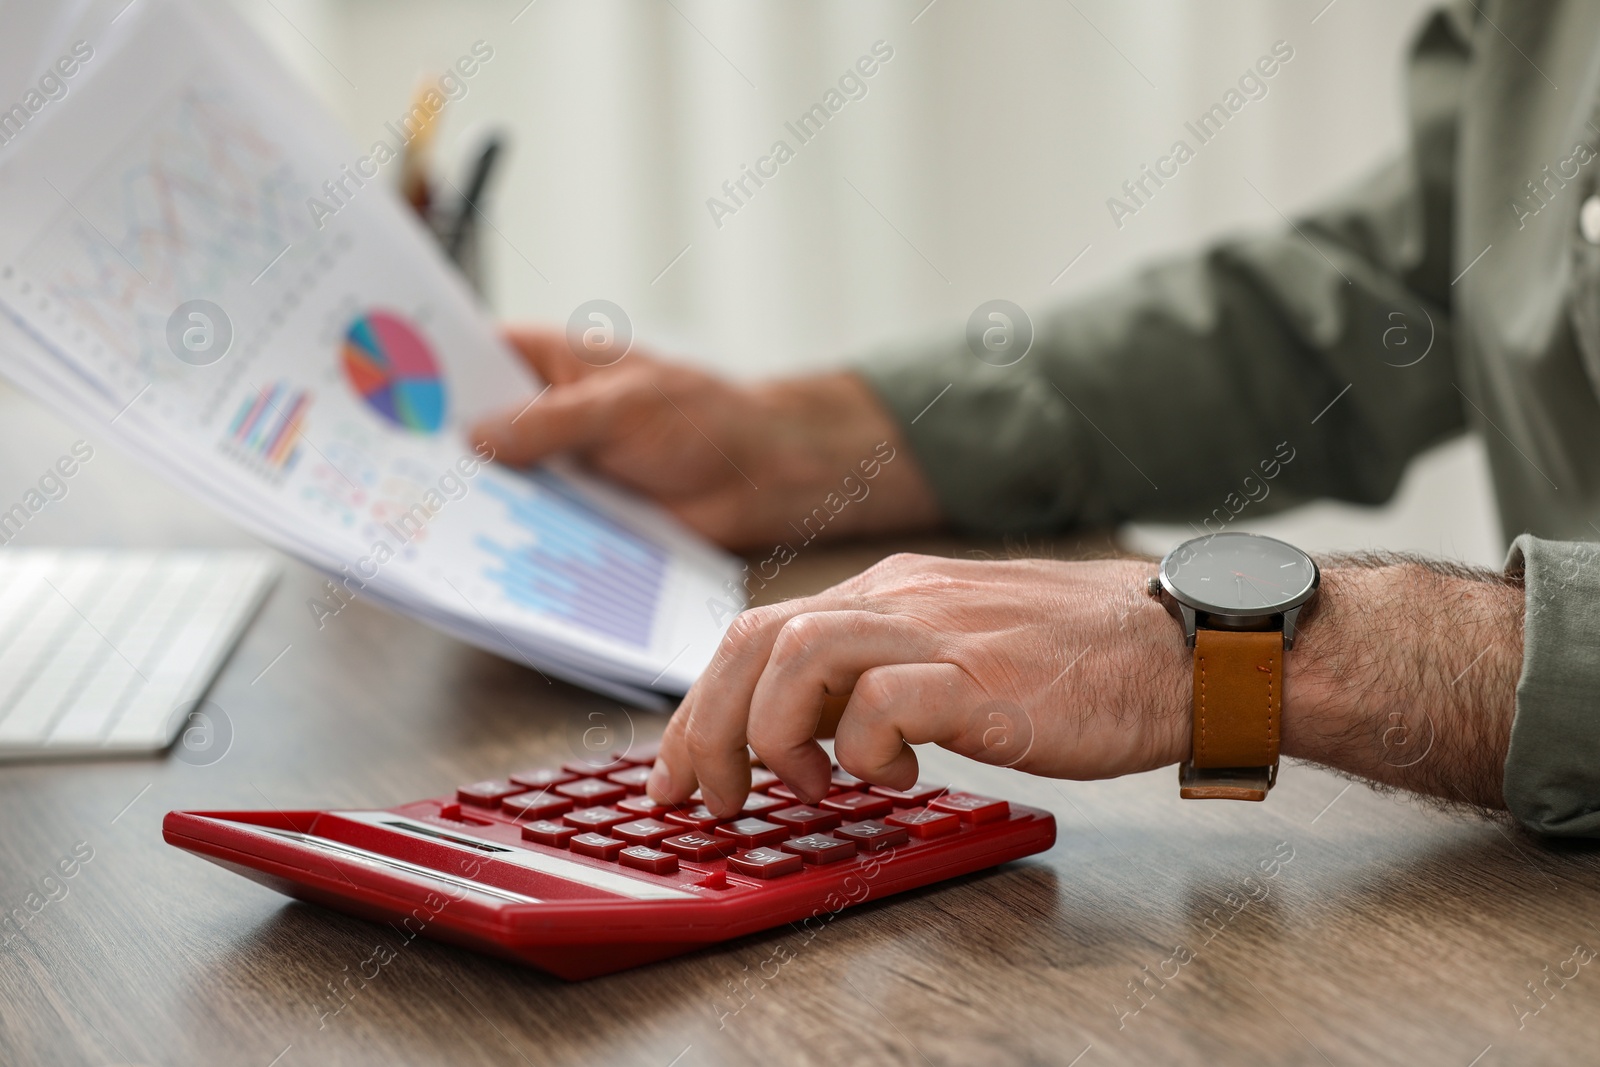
643, 755
760, 803
916, 796
541, 778
642, 806
698, 817
859, 805
648, 859
644, 831
753, 833
925, 823
804, 819
598, 767
761, 778
845, 780
486, 794
599, 846
970, 807
699, 846
548, 833
871, 835
820, 848
540, 805
593, 791
765, 863
601, 819
783, 792
630, 778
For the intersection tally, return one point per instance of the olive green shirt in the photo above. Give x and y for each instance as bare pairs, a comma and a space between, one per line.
1458, 288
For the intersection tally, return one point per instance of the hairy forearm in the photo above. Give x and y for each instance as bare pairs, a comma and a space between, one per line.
1406, 673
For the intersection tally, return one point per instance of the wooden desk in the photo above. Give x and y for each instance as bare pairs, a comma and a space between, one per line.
1394, 934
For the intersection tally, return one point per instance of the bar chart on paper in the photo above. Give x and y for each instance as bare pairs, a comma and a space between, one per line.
576, 563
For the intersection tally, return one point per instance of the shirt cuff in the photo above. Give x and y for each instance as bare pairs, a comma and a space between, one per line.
1552, 773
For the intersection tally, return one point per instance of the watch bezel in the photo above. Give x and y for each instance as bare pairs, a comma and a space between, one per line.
1234, 614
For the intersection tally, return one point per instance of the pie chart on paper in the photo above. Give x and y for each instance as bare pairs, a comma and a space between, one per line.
393, 370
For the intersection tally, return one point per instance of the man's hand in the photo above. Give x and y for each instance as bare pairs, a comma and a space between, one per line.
737, 463
1403, 673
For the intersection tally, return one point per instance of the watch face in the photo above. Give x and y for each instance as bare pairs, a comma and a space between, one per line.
1239, 574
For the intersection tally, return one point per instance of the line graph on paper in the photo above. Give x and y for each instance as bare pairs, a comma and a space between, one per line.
194, 204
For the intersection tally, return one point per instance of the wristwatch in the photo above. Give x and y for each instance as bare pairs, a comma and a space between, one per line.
1238, 596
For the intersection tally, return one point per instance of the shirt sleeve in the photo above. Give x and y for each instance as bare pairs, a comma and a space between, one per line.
1552, 775
1156, 399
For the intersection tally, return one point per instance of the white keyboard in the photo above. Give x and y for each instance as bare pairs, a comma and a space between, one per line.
107, 651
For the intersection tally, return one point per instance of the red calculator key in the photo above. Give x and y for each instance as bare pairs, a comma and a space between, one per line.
601, 819
914, 797
760, 804
598, 767
923, 822
646, 858
872, 835
753, 833
783, 792
450, 811
630, 778
486, 794
593, 791
541, 778
643, 806
804, 819
969, 807
540, 805
845, 780
699, 846
859, 805
548, 833
761, 778
820, 848
698, 817
644, 831
599, 846
765, 863
643, 755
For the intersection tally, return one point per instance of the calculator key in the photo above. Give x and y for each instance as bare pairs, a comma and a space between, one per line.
783, 792
925, 823
646, 858
969, 807
845, 780
593, 791
540, 805
548, 833
804, 819
870, 835
820, 848
765, 863
486, 794
761, 778
599, 846
760, 804
598, 767
753, 833
630, 778
644, 831
541, 778
450, 811
642, 755
859, 805
916, 796
698, 817
642, 806
698, 845
601, 819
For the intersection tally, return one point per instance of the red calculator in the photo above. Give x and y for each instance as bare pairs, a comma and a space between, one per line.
576, 871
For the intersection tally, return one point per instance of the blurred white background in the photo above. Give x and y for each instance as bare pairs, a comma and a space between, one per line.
977, 166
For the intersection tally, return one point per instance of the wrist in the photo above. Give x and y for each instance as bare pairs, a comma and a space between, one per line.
1407, 675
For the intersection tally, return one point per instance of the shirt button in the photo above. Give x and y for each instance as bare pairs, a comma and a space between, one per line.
1589, 220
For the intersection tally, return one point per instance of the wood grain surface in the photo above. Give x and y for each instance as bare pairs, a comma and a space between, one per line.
1330, 925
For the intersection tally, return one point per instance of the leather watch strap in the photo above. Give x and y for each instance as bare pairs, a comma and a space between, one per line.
1238, 696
